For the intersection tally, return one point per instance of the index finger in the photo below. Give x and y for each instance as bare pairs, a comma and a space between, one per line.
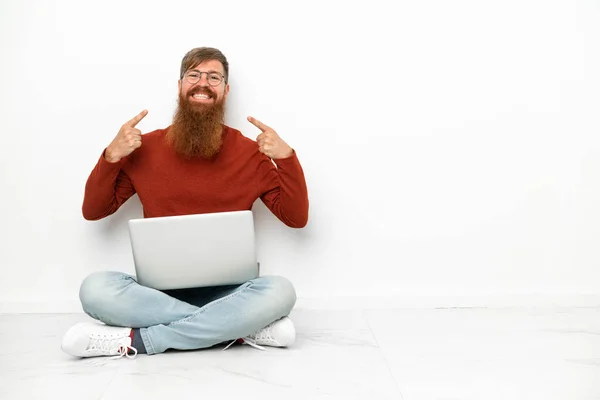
135, 120
258, 124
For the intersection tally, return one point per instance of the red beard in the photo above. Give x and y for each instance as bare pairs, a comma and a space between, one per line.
197, 129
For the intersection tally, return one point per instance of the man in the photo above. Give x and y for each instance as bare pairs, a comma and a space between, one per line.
196, 165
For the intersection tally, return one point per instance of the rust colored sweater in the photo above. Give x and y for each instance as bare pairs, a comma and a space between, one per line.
168, 184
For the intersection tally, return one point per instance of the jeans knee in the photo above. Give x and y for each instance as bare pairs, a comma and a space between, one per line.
283, 292
96, 290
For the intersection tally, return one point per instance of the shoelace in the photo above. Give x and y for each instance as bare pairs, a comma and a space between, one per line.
123, 352
262, 335
247, 341
107, 345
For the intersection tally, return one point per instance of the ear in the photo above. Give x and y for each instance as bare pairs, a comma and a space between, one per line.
179, 86
226, 91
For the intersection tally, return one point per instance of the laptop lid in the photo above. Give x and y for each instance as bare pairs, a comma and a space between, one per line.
196, 250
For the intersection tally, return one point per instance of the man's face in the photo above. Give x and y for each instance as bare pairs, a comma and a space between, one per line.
203, 93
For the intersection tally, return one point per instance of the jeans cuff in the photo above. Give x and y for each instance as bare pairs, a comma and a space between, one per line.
147, 342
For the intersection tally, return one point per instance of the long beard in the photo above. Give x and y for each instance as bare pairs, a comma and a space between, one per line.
197, 130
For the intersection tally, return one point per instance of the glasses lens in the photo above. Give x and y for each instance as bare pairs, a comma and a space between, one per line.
214, 79
192, 77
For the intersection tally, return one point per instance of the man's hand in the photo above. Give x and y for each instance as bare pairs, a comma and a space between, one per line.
269, 142
127, 140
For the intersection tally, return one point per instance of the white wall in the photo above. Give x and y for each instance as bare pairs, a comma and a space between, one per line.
450, 148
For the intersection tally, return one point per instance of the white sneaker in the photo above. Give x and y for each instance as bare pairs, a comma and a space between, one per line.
92, 340
280, 333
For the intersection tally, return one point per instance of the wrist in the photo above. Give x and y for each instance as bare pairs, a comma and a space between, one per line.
110, 157
289, 153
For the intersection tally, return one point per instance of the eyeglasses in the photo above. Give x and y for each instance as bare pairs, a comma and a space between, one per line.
213, 78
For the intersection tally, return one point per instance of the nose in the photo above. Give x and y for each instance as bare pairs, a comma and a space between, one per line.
203, 82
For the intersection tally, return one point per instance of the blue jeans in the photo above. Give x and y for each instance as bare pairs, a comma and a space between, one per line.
186, 319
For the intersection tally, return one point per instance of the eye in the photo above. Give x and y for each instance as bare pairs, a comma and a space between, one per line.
214, 77
193, 75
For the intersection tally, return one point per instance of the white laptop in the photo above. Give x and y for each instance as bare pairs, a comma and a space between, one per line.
196, 250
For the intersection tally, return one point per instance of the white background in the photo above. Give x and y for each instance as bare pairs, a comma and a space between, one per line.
450, 148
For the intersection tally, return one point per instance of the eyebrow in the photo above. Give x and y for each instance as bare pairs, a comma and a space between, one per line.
211, 71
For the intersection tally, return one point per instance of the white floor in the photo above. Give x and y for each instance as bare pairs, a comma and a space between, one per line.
483, 354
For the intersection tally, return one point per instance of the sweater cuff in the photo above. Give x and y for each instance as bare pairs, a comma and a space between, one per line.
291, 160
104, 165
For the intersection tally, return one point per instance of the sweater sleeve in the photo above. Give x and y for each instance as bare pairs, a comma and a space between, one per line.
283, 190
106, 189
